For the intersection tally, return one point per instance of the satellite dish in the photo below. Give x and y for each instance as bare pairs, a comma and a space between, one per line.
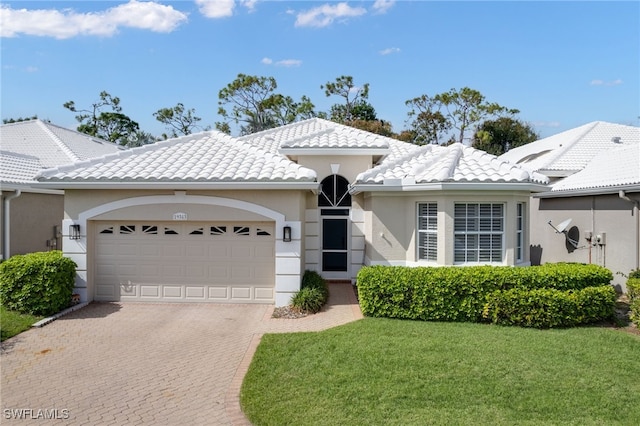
563, 225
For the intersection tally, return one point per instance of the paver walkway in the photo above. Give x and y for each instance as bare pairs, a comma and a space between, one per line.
134, 363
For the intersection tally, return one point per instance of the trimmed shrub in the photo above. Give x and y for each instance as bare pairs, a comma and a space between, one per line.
441, 294
37, 283
308, 300
313, 294
547, 307
460, 293
312, 279
633, 291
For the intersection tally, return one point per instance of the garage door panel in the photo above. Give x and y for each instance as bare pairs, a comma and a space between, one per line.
263, 293
241, 293
196, 271
219, 273
172, 291
263, 271
199, 250
149, 249
172, 250
241, 272
185, 261
195, 292
128, 290
218, 294
172, 271
127, 249
264, 252
105, 291
105, 269
219, 250
150, 290
148, 270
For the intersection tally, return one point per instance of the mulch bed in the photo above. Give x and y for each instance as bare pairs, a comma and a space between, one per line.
288, 312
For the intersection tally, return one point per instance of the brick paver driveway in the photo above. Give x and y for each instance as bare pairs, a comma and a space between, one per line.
134, 363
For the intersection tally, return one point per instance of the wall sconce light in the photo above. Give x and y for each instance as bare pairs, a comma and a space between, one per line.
286, 234
74, 231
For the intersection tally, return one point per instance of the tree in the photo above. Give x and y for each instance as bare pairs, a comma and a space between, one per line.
18, 120
179, 121
428, 124
141, 138
112, 125
459, 110
498, 136
255, 106
355, 100
379, 127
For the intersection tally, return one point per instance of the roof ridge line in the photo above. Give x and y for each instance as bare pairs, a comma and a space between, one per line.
68, 151
452, 153
381, 168
566, 146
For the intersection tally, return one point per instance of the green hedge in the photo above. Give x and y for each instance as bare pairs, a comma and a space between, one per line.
460, 293
547, 307
633, 291
313, 294
37, 283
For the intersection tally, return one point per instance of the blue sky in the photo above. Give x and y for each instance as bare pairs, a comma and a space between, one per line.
562, 64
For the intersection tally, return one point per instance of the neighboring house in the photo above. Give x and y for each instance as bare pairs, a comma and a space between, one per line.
595, 170
208, 217
31, 216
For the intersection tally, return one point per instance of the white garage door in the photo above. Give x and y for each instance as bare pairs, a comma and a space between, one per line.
185, 261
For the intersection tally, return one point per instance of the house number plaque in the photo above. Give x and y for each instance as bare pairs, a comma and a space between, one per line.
180, 216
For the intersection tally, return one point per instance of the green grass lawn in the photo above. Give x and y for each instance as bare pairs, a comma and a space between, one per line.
393, 372
12, 323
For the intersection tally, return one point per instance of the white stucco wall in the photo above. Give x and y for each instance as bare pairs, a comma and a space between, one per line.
599, 214
391, 236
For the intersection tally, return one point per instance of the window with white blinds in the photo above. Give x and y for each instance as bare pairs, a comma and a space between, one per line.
428, 231
478, 232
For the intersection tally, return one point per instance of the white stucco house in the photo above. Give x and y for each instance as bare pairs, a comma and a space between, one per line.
590, 214
209, 217
30, 216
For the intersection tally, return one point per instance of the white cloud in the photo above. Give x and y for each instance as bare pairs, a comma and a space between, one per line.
250, 5
62, 24
287, 63
606, 83
553, 124
389, 51
216, 8
324, 15
31, 68
382, 6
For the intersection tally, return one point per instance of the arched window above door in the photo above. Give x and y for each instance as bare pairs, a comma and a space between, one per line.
334, 192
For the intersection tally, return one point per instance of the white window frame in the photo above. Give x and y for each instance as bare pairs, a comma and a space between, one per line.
430, 232
479, 229
520, 223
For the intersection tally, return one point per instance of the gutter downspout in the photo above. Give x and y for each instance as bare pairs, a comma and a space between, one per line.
636, 208
7, 223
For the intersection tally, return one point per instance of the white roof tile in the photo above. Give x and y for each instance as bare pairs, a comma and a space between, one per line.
572, 150
216, 157
53, 145
202, 157
454, 163
315, 133
614, 168
18, 168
